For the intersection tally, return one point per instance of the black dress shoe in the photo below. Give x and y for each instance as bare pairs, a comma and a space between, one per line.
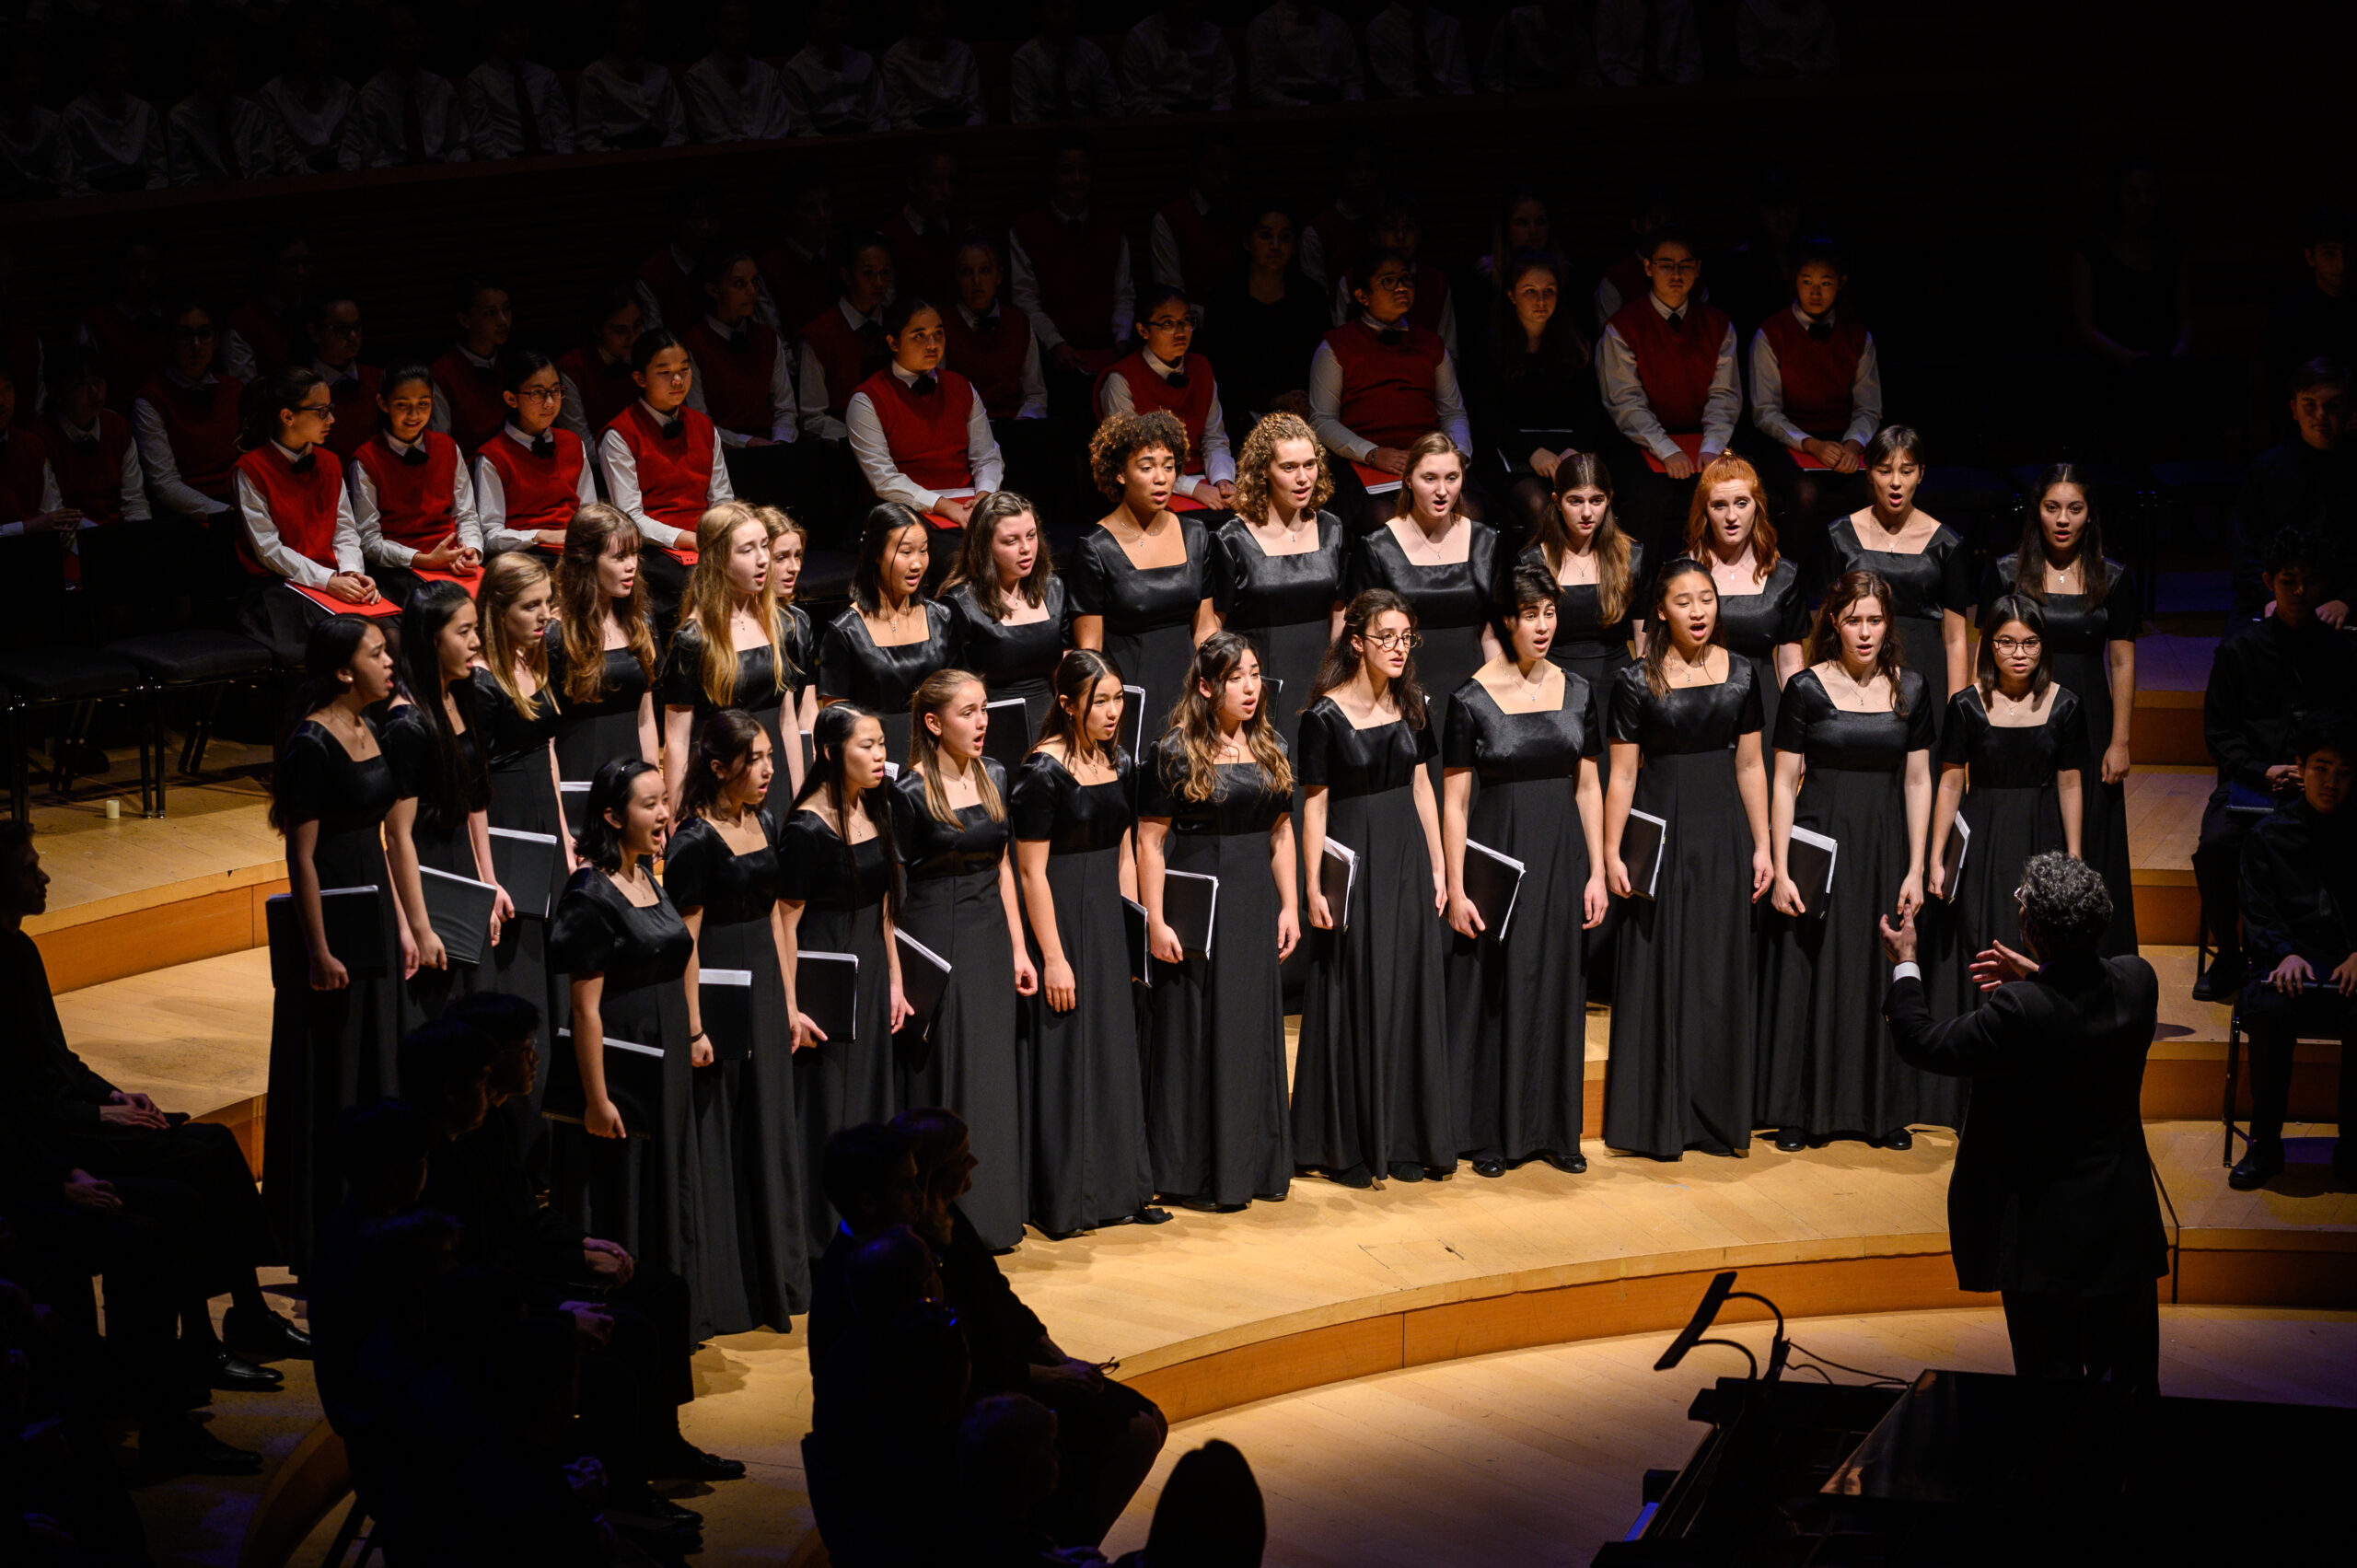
668, 1538
1900, 1141
682, 1460
1356, 1176
1490, 1169
1792, 1140
183, 1447
264, 1333
1571, 1164
222, 1370
2262, 1164
2219, 982
1405, 1170
1149, 1216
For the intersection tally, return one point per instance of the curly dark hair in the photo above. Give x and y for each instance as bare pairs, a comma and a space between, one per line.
1124, 437
2065, 906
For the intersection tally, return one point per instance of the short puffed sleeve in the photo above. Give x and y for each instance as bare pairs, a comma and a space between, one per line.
1310, 759
1923, 718
1626, 720
1462, 735
1038, 796
305, 776
582, 937
682, 677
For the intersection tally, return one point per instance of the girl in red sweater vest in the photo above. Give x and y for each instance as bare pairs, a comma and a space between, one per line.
921, 434
1162, 374
298, 529
185, 421
663, 466
532, 476
412, 498
1816, 392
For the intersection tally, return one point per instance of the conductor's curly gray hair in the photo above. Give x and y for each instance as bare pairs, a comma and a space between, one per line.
2065, 906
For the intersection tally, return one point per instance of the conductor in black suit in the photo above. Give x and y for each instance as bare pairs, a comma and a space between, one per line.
2052, 1200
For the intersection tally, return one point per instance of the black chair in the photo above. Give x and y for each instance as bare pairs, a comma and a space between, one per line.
196, 661
2301, 1036
37, 680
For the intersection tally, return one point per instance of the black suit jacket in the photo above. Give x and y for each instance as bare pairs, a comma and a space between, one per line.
2052, 1189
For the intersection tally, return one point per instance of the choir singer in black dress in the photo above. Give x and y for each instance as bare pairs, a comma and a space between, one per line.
1076, 861
1517, 1010
1372, 1094
1922, 562
1858, 723
1277, 564
1012, 614
1684, 987
1763, 609
949, 808
1217, 801
729, 649
601, 653
878, 651
1140, 580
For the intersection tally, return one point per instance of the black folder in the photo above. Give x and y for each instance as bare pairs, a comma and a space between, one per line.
925, 977
1133, 732
460, 909
1808, 860
572, 799
1141, 951
634, 1082
725, 1000
356, 936
1493, 881
825, 988
1640, 848
1191, 908
1335, 875
1959, 844
527, 866
1009, 737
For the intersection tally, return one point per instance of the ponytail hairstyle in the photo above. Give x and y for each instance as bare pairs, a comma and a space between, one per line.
1195, 721
267, 397
1825, 637
2030, 563
600, 842
450, 793
507, 577
977, 574
938, 690
2028, 613
581, 605
724, 748
1341, 660
707, 605
1658, 639
335, 642
1074, 684
1726, 468
1616, 586
830, 739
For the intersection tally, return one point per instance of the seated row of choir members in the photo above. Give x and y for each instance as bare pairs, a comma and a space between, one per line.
531, 477
2299, 883
664, 463
1379, 382
2308, 483
2268, 678
467, 406
844, 344
1816, 384
1068, 269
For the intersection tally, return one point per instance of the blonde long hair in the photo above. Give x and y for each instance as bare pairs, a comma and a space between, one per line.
507, 577
1196, 721
1259, 451
925, 748
707, 603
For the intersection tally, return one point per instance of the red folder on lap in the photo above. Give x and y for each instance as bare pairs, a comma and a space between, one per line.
1186, 504
1377, 482
470, 580
329, 602
1689, 445
684, 557
1801, 460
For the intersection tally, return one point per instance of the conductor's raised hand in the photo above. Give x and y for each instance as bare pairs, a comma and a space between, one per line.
2001, 965
1899, 942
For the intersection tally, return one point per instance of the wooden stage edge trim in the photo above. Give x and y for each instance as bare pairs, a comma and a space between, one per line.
156, 928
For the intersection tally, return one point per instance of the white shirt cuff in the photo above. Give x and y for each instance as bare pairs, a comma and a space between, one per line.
1910, 969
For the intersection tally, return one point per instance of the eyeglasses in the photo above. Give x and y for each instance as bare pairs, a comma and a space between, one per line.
1392, 282
1172, 324
317, 410
541, 394
1387, 641
2019, 644
193, 334
1677, 269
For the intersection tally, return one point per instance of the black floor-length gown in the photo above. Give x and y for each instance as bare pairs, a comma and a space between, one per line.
1014, 659
1370, 1078
1517, 999
1087, 1111
852, 669
1826, 1067
968, 1056
645, 1190
524, 799
1453, 604
329, 1049
2014, 810
590, 735
2078, 643
1215, 1074
1685, 992
1925, 585
443, 842
839, 1083
1755, 624
1149, 614
750, 1144
1284, 604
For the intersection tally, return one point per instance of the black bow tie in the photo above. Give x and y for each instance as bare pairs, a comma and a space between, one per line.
1391, 337
674, 429
415, 455
86, 444
1820, 331
1674, 320
487, 374
305, 463
616, 369
202, 397
990, 323
544, 447
925, 385
1178, 378
740, 340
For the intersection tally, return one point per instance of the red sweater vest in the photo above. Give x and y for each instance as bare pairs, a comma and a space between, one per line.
922, 264
1076, 272
89, 475
1206, 247
478, 401
268, 334
1388, 387
1628, 276
927, 435
674, 476
134, 351
302, 506
1817, 373
1674, 368
203, 431
735, 379
1340, 241
801, 285
993, 361
20, 350
1151, 394
846, 357
678, 296
415, 505
538, 492
357, 416
605, 389
21, 457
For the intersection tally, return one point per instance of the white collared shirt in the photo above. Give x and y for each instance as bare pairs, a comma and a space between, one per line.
163, 469
720, 110
617, 101
920, 91
621, 483
783, 423
823, 99
1165, 73
1768, 389
1325, 402
377, 135
1034, 381
1296, 60
201, 135
874, 453
495, 119
1068, 81
814, 395
1023, 288
262, 534
105, 141
1624, 394
52, 499
1219, 463
367, 512
1391, 51
491, 496
316, 130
